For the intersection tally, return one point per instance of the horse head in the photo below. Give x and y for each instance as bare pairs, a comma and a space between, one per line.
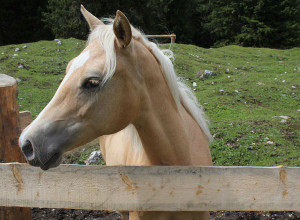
98, 95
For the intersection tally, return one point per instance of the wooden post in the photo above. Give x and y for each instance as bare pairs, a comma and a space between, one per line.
173, 37
9, 134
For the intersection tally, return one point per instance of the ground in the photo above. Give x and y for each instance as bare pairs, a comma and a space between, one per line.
64, 214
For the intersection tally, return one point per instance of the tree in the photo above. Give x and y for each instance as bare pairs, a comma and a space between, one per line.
261, 23
20, 21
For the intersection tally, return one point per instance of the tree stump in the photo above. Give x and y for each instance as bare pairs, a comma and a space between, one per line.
9, 134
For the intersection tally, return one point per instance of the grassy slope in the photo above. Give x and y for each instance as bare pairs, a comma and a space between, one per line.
242, 122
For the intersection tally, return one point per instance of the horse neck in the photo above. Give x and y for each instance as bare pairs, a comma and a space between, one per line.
160, 124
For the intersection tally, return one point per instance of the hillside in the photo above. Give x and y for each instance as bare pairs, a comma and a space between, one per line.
251, 88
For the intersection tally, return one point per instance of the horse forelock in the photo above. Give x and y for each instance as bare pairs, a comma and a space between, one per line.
181, 93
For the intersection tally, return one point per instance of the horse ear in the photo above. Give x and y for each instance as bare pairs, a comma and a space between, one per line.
122, 29
91, 19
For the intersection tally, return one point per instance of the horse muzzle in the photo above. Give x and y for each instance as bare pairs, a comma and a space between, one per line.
52, 159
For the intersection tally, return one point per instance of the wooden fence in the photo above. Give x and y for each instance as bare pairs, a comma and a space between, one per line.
155, 188
172, 36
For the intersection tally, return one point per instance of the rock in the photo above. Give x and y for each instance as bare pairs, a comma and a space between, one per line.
17, 49
24, 47
94, 158
194, 84
2, 53
283, 118
20, 66
207, 74
236, 91
15, 55
294, 87
270, 142
260, 84
58, 42
18, 80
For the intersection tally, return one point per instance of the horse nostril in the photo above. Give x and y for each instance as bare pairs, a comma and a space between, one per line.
28, 150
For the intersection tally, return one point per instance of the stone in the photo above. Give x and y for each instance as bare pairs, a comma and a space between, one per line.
207, 74
20, 66
94, 158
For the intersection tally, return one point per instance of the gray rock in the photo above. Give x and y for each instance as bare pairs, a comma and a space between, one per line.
20, 66
58, 42
94, 158
207, 74
17, 49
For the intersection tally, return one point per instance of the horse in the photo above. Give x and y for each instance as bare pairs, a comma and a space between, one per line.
123, 90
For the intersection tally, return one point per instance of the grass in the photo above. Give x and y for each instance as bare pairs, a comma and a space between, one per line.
252, 86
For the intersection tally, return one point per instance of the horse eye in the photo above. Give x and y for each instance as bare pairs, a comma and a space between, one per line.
91, 83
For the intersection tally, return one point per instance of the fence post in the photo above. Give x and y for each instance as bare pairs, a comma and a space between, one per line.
9, 134
173, 37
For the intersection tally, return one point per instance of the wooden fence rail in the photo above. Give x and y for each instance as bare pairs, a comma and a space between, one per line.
172, 36
155, 188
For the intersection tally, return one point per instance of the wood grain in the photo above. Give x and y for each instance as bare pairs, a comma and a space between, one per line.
9, 134
25, 119
156, 188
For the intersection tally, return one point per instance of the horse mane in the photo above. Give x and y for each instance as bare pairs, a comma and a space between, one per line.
181, 93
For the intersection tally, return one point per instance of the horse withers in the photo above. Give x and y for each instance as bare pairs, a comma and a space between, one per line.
123, 89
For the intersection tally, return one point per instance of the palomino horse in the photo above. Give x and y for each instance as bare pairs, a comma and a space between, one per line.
123, 89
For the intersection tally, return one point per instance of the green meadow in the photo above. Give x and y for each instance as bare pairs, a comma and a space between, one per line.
245, 101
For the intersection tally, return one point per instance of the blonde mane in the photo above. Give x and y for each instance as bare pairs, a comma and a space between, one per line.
181, 93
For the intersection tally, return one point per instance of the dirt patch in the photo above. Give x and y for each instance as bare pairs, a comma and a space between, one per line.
71, 214
254, 215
